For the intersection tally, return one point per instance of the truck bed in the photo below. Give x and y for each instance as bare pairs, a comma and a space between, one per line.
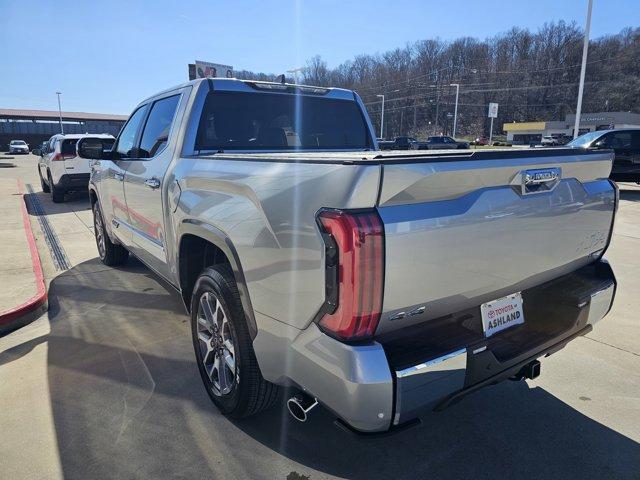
460, 231
405, 156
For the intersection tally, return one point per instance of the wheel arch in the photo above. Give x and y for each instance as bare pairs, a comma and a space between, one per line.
201, 245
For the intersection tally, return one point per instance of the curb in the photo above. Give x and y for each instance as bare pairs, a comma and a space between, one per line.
13, 316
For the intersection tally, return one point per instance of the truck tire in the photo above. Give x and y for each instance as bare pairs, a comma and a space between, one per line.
110, 253
43, 184
57, 194
223, 347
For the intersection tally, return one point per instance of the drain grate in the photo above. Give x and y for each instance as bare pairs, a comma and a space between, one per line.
60, 259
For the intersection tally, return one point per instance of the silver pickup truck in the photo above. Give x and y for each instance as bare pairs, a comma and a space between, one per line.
380, 286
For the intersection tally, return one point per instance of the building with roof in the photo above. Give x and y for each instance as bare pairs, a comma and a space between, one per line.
532, 132
37, 126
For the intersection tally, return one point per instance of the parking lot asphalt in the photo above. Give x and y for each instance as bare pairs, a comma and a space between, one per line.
105, 386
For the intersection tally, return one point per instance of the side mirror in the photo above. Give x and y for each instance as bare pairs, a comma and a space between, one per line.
37, 151
92, 148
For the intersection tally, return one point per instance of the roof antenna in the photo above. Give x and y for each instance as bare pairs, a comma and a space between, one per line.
282, 79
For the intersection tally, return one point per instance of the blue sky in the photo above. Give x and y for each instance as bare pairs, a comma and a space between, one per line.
105, 56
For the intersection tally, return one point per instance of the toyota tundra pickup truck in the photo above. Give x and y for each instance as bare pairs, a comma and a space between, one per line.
379, 286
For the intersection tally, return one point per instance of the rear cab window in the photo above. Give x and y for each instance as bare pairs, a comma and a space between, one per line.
278, 121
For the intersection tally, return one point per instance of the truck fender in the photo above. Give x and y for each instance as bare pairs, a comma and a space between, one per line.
218, 238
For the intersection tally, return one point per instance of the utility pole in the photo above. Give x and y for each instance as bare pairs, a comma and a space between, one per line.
60, 112
382, 119
455, 109
435, 125
583, 69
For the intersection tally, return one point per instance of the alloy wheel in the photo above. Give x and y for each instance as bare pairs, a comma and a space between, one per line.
215, 338
99, 232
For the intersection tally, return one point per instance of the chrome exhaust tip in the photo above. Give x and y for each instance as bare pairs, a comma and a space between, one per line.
300, 405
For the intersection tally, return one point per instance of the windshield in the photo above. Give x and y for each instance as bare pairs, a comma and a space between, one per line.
268, 121
585, 140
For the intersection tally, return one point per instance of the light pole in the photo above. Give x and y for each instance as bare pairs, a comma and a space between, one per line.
583, 69
382, 117
455, 109
60, 112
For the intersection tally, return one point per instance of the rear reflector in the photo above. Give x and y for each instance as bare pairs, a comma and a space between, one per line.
358, 267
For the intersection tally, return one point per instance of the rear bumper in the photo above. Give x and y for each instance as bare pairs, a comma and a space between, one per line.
373, 389
74, 181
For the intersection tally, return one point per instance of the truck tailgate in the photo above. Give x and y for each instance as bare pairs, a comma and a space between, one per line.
463, 231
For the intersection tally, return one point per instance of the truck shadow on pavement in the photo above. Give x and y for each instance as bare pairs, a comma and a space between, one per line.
127, 402
630, 195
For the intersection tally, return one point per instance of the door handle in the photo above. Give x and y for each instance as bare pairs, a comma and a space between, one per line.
119, 176
152, 183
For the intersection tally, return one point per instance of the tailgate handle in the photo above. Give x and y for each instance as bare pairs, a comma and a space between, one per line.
538, 180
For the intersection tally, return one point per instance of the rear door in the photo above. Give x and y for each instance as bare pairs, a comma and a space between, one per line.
449, 143
144, 184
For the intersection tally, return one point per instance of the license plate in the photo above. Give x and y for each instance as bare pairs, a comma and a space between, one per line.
500, 314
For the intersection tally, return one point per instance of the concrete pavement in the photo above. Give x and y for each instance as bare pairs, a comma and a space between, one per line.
105, 386
23, 289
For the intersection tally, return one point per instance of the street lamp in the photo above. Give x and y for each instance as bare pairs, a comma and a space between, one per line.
60, 112
583, 69
455, 110
382, 117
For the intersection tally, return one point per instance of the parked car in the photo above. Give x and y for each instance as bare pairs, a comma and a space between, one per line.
481, 141
548, 140
60, 169
625, 144
554, 140
399, 143
377, 285
442, 143
18, 146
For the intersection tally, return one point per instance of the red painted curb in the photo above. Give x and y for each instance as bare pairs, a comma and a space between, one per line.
40, 298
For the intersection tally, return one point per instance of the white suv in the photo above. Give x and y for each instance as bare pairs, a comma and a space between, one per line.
60, 168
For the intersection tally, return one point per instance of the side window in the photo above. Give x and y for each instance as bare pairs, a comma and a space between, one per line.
635, 140
619, 140
51, 145
156, 130
128, 134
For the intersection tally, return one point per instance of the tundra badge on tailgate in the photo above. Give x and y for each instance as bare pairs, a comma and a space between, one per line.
538, 180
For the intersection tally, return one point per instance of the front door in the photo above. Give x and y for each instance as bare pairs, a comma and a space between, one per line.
144, 185
110, 174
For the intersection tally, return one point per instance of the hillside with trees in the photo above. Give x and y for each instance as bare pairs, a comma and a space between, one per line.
532, 75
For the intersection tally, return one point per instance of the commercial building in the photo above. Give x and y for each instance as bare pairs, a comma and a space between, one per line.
532, 132
36, 126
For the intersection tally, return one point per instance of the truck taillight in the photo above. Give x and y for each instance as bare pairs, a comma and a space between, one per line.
354, 269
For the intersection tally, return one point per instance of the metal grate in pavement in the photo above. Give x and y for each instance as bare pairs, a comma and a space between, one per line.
60, 259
